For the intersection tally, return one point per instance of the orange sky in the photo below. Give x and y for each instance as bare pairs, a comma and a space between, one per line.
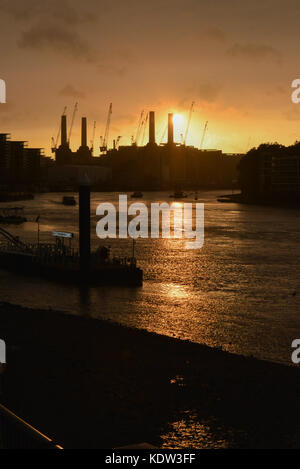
235, 59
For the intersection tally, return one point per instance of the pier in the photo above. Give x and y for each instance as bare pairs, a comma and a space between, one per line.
62, 262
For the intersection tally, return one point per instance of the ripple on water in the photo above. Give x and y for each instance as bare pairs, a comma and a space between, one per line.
239, 292
190, 432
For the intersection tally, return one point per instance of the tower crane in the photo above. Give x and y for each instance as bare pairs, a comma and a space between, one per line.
203, 135
188, 123
163, 134
53, 146
145, 126
93, 137
118, 140
104, 140
138, 132
72, 122
54, 143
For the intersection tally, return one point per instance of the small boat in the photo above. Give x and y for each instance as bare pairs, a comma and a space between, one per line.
178, 195
12, 215
68, 200
137, 195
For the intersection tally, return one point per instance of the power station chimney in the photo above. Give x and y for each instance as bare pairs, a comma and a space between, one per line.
63, 131
83, 132
151, 127
170, 129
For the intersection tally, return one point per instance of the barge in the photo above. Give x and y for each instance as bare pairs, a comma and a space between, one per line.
68, 200
12, 215
137, 195
63, 265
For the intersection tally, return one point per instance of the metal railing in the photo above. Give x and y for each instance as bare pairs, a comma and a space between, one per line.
50, 254
15, 433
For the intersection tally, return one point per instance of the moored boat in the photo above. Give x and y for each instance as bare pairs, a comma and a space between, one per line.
12, 215
68, 200
178, 195
137, 195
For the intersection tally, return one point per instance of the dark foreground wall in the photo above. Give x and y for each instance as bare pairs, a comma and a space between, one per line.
92, 384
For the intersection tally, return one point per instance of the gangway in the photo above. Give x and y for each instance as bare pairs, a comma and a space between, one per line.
13, 239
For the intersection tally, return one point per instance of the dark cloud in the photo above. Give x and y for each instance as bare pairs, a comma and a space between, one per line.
59, 10
17, 10
71, 91
63, 41
254, 51
166, 53
57, 39
216, 34
207, 92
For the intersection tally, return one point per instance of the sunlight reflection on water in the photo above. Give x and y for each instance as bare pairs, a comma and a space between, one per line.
188, 432
240, 292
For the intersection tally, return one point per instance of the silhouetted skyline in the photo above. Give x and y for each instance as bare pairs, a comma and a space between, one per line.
236, 60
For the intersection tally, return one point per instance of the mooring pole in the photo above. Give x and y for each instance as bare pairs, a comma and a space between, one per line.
84, 225
38, 229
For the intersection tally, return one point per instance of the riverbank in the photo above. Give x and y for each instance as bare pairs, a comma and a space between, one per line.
94, 384
279, 200
6, 196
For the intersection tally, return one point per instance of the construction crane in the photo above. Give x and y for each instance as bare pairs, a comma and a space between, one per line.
145, 126
138, 132
54, 143
104, 140
72, 122
203, 135
118, 140
188, 123
163, 134
93, 137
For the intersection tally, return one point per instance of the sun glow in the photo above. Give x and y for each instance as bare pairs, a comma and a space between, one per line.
177, 119
179, 127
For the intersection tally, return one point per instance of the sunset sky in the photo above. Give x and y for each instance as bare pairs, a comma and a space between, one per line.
235, 59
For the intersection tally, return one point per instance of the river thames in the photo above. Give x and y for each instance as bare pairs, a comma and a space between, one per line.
240, 292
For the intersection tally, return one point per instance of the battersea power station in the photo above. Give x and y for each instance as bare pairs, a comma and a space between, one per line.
149, 167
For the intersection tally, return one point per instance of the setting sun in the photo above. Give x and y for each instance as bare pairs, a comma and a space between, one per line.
177, 119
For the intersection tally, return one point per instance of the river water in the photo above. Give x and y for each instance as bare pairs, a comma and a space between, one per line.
240, 292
